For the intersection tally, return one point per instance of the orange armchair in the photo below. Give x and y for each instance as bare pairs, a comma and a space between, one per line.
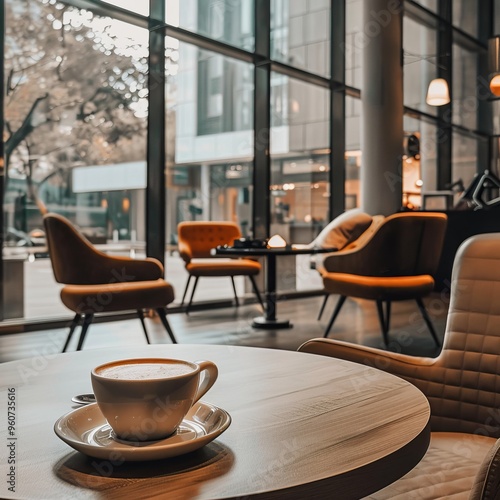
196, 240
96, 282
396, 261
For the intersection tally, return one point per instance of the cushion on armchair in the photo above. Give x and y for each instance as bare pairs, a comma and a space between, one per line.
343, 230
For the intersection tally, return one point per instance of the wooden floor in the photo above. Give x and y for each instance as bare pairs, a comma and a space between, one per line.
356, 323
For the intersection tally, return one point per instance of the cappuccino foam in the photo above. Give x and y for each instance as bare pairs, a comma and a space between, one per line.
144, 371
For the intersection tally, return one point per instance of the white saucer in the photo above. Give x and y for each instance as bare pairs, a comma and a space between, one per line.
86, 430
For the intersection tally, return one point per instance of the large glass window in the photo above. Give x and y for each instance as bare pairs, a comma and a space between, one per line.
224, 20
465, 15
141, 7
300, 34
420, 63
464, 162
75, 133
353, 157
354, 43
299, 167
465, 104
419, 165
209, 149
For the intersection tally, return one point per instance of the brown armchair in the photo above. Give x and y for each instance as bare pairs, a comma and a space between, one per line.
395, 261
462, 384
196, 240
96, 282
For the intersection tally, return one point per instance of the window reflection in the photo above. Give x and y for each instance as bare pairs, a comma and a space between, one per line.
300, 34
76, 100
209, 149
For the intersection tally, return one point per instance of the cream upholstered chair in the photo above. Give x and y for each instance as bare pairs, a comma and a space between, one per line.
462, 384
396, 261
197, 239
97, 283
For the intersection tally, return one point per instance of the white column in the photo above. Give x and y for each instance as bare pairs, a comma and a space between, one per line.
382, 104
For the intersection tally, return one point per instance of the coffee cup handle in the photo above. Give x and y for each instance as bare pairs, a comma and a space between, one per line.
209, 372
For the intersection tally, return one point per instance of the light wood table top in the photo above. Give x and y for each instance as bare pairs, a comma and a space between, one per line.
303, 426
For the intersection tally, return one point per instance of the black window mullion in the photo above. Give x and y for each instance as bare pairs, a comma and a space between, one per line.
155, 189
337, 110
262, 121
445, 70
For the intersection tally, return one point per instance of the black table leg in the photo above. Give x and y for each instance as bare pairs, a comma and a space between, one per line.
269, 320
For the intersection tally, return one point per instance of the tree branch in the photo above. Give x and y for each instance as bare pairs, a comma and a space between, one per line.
25, 128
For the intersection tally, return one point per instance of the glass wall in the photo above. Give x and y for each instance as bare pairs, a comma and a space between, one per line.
77, 105
300, 34
74, 145
209, 149
353, 157
421, 62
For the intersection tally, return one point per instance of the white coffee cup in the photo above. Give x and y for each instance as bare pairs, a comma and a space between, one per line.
146, 399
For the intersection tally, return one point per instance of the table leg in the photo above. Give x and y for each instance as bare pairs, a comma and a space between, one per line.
269, 320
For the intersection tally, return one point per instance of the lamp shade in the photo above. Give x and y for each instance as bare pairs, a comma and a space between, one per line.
438, 93
495, 85
494, 64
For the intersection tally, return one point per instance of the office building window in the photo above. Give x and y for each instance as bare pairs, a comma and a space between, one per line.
300, 34
227, 21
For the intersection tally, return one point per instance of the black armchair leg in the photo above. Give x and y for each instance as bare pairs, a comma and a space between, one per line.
166, 324
141, 317
235, 294
72, 328
192, 295
428, 322
325, 300
185, 290
384, 318
86, 323
257, 293
338, 307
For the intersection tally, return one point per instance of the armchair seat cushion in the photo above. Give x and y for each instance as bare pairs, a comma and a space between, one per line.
378, 287
448, 469
223, 267
85, 299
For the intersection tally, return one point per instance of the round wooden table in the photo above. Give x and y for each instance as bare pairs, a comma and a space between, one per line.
303, 426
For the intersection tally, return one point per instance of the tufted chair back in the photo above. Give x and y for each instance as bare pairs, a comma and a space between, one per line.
463, 383
197, 238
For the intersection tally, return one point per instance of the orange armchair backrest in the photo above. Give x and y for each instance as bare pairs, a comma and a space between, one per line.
76, 261
404, 244
197, 238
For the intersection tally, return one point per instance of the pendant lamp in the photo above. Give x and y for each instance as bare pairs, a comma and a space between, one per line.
438, 93
494, 64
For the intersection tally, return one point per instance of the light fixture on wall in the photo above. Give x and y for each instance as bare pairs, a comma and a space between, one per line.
494, 64
438, 93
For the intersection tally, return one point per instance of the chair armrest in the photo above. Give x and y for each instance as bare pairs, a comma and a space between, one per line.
185, 252
112, 268
408, 367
